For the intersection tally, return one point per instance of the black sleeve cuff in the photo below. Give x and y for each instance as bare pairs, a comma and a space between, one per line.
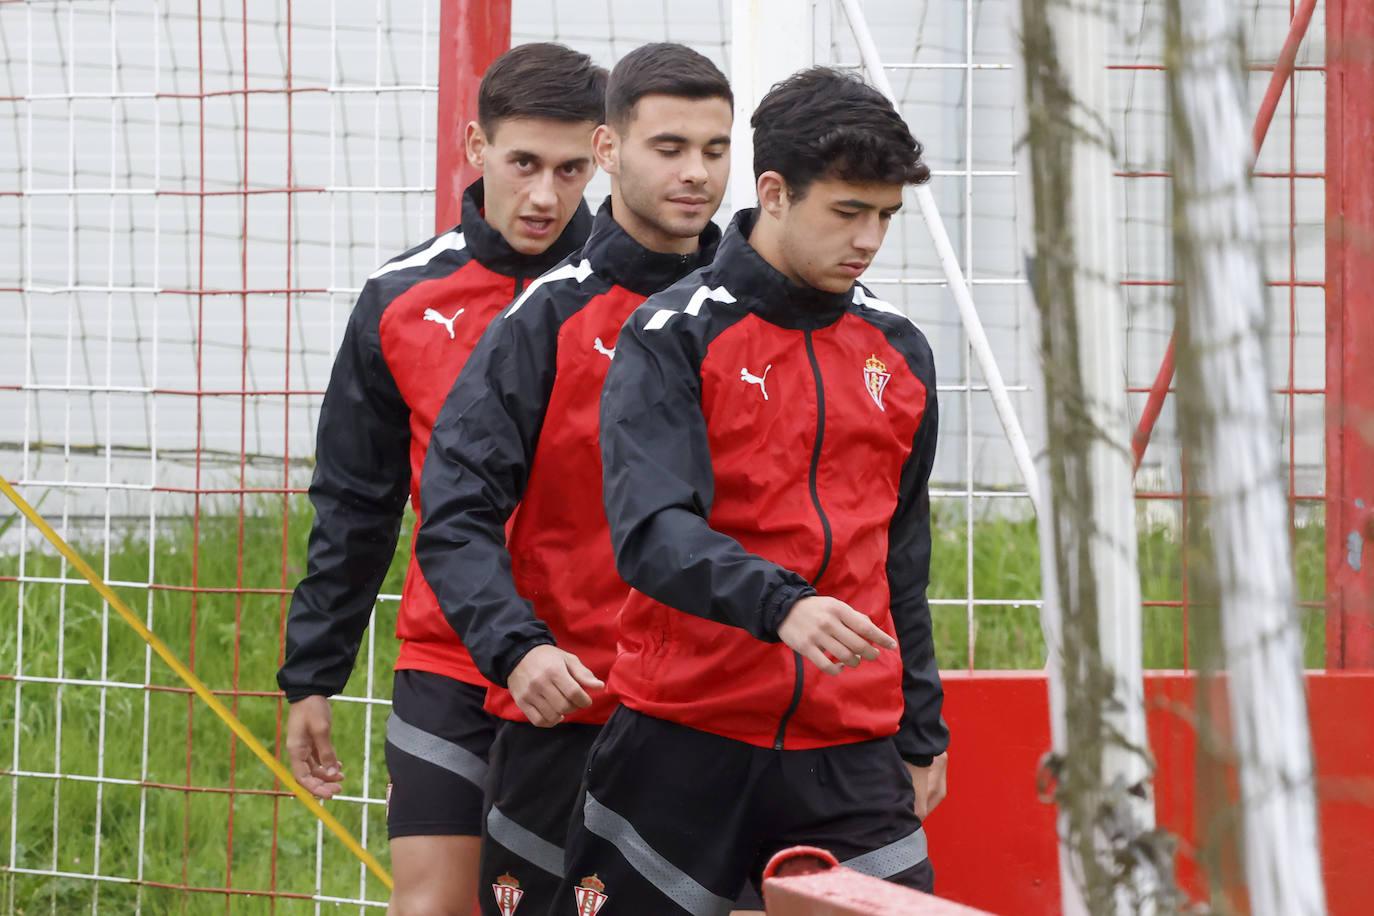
296, 694
914, 750
778, 605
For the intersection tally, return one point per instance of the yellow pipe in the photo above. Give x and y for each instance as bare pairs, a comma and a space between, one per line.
197, 685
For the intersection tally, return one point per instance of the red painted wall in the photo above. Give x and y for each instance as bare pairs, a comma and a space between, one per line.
992, 840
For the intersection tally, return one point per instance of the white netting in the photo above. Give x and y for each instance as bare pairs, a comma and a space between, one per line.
956, 69
196, 194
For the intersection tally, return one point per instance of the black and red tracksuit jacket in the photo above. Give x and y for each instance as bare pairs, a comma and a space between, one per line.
416, 320
763, 442
521, 427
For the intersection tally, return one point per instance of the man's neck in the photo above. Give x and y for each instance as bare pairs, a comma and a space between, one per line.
767, 241
646, 234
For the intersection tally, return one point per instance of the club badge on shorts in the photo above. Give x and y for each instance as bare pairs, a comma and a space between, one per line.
876, 378
590, 898
508, 894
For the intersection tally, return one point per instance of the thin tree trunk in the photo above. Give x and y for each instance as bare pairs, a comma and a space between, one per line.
1112, 860
1231, 432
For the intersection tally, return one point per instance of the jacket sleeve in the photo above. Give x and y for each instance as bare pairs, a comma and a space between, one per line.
656, 462
475, 474
922, 733
359, 490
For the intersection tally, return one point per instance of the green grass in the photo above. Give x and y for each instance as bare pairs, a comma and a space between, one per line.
1006, 568
186, 834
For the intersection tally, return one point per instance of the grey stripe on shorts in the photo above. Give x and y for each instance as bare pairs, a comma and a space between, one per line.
676, 884
529, 846
892, 859
439, 751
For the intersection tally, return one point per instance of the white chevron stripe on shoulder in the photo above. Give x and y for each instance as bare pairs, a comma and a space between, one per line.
699, 298
878, 305
579, 272
659, 319
449, 241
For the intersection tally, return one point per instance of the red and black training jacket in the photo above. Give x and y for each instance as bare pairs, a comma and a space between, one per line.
520, 427
763, 442
415, 322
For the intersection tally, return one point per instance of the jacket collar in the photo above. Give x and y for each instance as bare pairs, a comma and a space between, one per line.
615, 255
764, 290
493, 252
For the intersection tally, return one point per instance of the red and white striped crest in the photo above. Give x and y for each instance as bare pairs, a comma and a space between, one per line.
590, 898
508, 893
876, 378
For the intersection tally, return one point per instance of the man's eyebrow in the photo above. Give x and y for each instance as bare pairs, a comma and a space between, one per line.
865, 205
723, 140
579, 160
523, 154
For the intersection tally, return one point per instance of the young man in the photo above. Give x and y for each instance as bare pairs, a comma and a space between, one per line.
537, 606
767, 433
415, 323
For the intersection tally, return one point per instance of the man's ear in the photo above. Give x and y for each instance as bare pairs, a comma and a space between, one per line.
475, 143
772, 192
606, 149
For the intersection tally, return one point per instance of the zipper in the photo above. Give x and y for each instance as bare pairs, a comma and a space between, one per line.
825, 528
519, 287
796, 701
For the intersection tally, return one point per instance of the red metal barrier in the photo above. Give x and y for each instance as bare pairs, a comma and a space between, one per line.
806, 881
992, 841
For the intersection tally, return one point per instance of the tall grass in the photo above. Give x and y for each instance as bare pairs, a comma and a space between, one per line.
233, 637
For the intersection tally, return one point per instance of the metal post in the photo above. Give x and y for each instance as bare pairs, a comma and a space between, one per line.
1349, 334
770, 40
472, 33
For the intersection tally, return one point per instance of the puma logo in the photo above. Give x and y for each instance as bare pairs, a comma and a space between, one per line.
750, 378
432, 315
601, 348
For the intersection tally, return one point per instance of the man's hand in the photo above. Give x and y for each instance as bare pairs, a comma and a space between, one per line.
309, 750
929, 784
832, 634
548, 684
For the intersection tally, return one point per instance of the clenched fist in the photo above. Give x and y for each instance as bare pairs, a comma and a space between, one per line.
548, 684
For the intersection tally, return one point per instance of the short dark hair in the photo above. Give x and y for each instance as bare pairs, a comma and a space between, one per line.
822, 123
541, 80
662, 68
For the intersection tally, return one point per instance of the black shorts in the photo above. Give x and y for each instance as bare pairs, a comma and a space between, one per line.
533, 789
438, 738
676, 820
